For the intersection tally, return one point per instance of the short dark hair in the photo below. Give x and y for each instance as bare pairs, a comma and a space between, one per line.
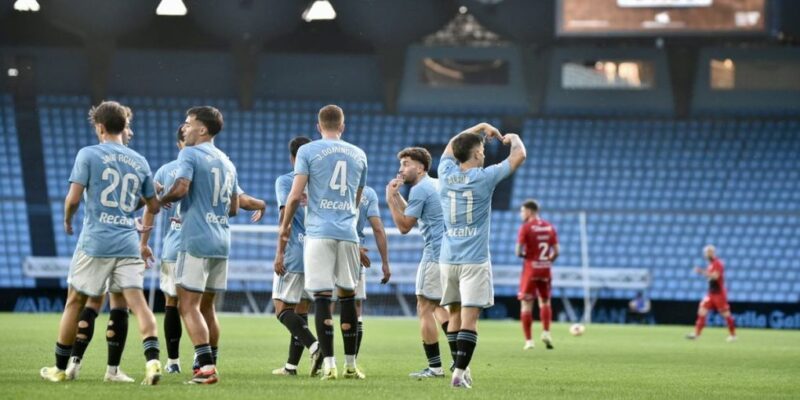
112, 115
209, 116
531, 204
295, 143
418, 154
463, 145
180, 135
330, 117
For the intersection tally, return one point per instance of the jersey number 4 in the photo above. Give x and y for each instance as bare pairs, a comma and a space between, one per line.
339, 178
130, 186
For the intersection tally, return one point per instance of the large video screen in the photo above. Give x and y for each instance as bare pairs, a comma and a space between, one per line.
660, 17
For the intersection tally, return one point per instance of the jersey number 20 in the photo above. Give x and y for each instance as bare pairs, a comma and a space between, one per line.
130, 186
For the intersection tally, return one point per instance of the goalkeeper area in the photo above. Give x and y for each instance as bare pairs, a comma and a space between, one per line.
608, 361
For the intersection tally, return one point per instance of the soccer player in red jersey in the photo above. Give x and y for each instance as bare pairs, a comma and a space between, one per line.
538, 245
717, 297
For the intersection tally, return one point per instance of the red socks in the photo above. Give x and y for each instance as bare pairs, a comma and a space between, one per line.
699, 324
545, 314
731, 325
527, 320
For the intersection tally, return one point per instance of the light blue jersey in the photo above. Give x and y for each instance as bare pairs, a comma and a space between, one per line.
115, 177
424, 205
367, 209
205, 232
466, 199
335, 170
293, 255
170, 218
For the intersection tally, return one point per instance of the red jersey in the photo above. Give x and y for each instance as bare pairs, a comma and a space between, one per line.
537, 239
716, 286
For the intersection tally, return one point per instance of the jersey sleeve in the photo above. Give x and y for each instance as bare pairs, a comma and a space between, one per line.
282, 189
416, 202
498, 172
80, 170
363, 179
148, 187
446, 165
236, 190
372, 209
186, 164
302, 161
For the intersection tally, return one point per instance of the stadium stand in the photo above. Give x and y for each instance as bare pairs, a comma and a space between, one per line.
654, 190
14, 234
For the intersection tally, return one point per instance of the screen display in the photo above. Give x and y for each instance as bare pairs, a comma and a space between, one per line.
660, 17
446, 72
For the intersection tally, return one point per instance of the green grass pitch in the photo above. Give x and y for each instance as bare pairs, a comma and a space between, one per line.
608, 362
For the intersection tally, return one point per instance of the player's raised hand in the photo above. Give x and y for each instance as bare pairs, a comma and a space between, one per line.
68, 227
491, 132
278, 264
508, 138
394, 185
362, 253
387, 273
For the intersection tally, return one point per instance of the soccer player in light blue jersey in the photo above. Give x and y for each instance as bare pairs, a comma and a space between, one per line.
117, 327
206, 184
171, 229
288, 285
466, 189
112, 178
335, 173
423, 208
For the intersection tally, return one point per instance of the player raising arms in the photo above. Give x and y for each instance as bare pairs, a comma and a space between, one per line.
206, 185
717, 297
423, 207
113, 178
466, 189
288, 285
538, 245
335, 172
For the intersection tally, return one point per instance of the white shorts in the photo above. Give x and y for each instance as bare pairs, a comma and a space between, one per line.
289, 288
201, 274
167, 278
361, 287
330, 263
93, 276
468, 284
429, 281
